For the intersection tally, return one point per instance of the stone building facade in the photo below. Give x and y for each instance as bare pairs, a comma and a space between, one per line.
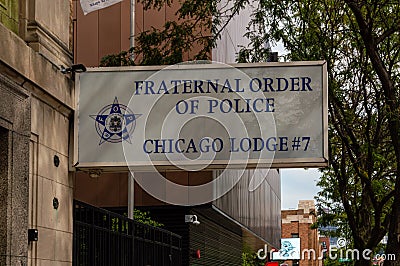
36, 106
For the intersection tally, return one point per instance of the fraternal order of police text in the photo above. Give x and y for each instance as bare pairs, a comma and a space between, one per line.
190, 86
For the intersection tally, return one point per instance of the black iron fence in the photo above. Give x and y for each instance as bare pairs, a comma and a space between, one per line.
103, 238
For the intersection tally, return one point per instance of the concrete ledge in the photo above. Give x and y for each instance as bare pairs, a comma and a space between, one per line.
35, 67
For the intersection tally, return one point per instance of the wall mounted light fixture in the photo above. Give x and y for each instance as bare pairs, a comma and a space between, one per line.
191, 218
78, 68
95, 173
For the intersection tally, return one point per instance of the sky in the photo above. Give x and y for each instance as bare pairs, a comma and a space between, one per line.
298, 184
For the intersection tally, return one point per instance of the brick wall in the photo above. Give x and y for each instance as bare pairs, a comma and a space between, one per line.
299, 222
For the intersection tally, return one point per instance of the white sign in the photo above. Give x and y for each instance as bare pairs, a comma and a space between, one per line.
290, 250
194, 116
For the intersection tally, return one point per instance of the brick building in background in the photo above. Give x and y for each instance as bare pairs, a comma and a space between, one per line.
297, 224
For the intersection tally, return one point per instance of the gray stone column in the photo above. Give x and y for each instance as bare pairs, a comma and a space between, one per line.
15, 133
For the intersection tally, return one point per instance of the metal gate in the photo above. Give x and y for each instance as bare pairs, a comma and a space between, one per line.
103, 238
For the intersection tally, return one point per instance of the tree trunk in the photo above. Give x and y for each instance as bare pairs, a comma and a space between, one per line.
392, 252
391, 100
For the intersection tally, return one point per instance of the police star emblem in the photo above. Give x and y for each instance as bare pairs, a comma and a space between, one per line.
115, 123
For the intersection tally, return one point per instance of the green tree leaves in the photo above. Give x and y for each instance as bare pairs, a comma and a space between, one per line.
360, 41
144, 218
